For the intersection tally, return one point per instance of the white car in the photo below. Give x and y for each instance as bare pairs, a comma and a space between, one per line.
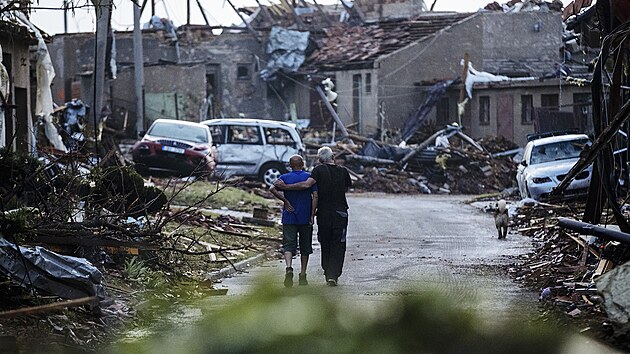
546, 161
258, 148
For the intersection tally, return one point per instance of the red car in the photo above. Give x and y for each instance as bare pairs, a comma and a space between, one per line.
175, 147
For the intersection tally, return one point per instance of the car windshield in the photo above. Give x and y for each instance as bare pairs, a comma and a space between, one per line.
179, 131
561, 150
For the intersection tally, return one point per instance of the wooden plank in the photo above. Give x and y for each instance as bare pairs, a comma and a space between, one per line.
48, 307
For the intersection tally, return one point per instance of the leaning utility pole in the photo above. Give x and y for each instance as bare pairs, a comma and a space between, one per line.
138, 69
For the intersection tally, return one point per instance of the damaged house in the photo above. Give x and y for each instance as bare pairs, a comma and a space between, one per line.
189, 75
384, 69
17, 86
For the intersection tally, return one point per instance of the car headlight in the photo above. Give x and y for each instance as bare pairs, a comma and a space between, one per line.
539, 180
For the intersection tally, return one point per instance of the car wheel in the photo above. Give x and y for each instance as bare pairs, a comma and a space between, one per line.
270, 172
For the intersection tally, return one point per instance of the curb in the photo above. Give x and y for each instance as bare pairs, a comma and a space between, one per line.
240, 266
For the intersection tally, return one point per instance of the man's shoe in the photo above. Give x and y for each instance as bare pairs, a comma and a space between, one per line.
331, 282
302, 279
288, 278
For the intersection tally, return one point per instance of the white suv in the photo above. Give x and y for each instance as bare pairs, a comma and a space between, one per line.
547, 160
254, 147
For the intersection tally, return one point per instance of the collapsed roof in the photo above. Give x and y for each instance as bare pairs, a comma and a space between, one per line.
344, 47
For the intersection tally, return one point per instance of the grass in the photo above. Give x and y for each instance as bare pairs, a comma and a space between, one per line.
229, 197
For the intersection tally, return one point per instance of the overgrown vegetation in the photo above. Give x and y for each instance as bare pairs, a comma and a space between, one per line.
311, 321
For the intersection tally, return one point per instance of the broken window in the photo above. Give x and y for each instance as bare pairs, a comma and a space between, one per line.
242, 72
442, 112
368, 83
278, 136
527, 109
242, 134
582, 109
550, 101
484, 110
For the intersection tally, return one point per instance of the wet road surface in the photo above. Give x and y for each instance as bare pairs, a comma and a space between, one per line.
428, 242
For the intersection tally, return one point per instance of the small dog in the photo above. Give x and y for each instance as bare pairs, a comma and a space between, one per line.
501, 218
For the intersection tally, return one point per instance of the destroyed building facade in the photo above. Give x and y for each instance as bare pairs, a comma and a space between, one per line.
195, 76
383, 70
383, 56
16, 124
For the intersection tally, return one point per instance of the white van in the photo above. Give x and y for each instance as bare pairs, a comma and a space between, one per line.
257, 148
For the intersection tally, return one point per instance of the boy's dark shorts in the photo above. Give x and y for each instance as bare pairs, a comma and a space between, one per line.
290, 238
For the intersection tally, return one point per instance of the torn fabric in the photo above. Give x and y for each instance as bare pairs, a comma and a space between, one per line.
475, 76
45, 75
286, 49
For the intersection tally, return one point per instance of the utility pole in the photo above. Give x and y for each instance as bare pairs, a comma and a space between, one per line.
65, 16
103, 15
138, 69
188, 12
462, 91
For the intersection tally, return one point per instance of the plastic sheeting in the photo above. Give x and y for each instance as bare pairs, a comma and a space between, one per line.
386, 152
64, 276
415, 121
286, 51
475, 76
45, 75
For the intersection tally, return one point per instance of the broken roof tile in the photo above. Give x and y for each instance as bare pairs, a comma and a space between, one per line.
344, 46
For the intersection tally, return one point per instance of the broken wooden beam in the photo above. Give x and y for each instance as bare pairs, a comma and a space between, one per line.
48, 307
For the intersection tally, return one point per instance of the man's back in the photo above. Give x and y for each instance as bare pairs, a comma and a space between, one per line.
332, 183
299, 199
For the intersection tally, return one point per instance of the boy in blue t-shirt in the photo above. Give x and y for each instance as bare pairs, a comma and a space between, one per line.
297, 219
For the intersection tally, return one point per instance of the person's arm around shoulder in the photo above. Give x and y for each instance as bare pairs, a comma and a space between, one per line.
287, 205
295, 186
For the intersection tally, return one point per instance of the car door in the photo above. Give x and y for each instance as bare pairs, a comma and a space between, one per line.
242, 150
279, 145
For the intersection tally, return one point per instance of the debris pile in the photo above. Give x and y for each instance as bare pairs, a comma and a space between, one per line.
435, 165
565, 266
106, 225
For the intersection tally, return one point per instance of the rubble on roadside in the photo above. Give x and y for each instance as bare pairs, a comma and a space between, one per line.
565, 267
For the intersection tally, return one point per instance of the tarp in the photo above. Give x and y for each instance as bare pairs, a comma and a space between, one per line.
387, 152
64, 276
415, 121
286, 52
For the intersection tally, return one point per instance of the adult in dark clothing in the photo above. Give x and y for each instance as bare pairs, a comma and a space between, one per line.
333, 182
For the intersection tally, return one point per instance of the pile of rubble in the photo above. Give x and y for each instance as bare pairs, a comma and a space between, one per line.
443, 162
565, 266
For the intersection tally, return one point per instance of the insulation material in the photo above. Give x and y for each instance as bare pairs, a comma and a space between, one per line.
286, 50
45, 75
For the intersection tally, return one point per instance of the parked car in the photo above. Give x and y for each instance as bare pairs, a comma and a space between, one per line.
175, 147
547, 160
256, 148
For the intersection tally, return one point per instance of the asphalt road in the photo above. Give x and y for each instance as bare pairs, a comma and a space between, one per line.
397, 244
427, 242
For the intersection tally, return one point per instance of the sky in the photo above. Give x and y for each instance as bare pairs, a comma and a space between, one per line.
218, 12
